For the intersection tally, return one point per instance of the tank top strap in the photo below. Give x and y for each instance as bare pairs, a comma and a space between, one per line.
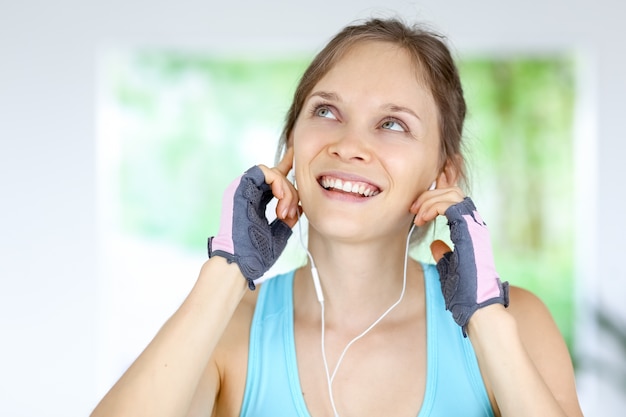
454, 384
272, 381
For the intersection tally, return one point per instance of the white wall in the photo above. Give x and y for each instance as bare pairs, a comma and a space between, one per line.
48, 245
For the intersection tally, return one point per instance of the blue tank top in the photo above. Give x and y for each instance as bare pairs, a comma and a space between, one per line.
454, 386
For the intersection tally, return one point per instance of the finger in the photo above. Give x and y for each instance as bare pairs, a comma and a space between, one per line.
292, 218
438, 195
437, 206
276, 180
427, 208
283, 190
287, 207
286, 162
438, 248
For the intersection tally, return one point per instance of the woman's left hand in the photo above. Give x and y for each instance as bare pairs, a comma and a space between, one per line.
433, 203
468, 276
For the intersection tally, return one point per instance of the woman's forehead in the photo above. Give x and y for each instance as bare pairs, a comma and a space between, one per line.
375, 70
382, 58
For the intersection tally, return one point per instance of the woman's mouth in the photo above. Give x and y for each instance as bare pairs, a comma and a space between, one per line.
359, 188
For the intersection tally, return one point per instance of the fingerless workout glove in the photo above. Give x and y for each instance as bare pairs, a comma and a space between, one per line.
245, 236
468, 276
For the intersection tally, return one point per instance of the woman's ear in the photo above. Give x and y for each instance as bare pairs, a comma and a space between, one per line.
289, 141
451, 172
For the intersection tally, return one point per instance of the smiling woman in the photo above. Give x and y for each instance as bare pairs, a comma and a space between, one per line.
362, 127
362, 329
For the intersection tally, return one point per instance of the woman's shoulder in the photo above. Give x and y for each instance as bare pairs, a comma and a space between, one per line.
526, 304
535, 323
544, 344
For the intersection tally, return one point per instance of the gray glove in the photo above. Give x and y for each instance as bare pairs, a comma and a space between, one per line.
468, 276
245, 236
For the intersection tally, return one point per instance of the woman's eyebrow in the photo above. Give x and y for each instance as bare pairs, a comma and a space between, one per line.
395, 109
326, 95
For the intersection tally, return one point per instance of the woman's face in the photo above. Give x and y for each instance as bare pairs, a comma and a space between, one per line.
366, 144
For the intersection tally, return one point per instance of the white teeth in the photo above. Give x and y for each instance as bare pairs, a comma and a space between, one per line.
348, 187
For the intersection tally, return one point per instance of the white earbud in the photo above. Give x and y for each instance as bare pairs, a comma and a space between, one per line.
292, 173
433, 185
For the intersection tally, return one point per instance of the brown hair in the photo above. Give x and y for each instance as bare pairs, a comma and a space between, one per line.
433, 60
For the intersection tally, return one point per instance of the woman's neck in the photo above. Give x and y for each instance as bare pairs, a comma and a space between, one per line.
363, 278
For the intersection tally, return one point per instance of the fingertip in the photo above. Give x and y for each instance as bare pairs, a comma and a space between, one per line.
291, 216
288, 152
291, 221
438, 248
286, 162
282, 212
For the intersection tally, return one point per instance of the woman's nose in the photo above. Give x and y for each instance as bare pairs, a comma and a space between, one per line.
351, 144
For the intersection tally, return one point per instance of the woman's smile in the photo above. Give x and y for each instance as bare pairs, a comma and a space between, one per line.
347, 185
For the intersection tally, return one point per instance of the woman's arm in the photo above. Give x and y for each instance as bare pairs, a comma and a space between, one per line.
523, 358
164, 378
521, 354
176, 374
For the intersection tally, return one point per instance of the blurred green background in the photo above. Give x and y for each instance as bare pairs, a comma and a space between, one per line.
188, 123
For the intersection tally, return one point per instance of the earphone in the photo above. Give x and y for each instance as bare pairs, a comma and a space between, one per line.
292, 173
320, 298
316, 278
315, 275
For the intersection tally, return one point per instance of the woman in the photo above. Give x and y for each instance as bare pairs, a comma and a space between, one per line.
374, 133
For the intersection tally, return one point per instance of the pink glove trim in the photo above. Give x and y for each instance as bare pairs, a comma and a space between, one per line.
487, 277
224, 239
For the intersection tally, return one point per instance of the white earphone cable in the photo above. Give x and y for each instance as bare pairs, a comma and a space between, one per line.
331, 377
320, 297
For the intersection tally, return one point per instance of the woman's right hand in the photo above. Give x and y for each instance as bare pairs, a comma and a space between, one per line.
245, 236
287, 195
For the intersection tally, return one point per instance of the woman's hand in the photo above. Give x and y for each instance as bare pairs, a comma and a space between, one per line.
287, 195
433, 203
245, 236
468, 276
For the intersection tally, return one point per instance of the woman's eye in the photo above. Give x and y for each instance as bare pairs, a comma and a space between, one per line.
323, 111
393, 125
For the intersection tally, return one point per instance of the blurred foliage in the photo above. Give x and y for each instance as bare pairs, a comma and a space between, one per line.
189, 125
190, 121
519, 134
